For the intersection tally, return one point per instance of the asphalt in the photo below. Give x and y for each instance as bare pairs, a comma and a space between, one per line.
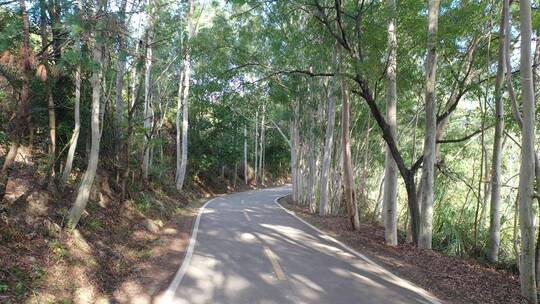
250, 250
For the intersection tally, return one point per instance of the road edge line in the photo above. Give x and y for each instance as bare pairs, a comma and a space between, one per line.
167, 296
419, 290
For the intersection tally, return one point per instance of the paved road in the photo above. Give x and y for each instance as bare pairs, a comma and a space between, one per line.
249, 250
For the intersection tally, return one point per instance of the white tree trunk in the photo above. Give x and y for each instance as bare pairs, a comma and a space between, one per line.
328, 139
495, 221
261, 150
76, 129
88, 179
526, 171
390, 181
348, 178
294, 153
246, 172
256, 152
120, 69
428, 170
181, 171
147, 124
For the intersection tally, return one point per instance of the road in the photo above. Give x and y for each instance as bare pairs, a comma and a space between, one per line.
250, 250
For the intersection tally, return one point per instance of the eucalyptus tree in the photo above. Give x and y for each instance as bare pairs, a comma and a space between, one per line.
428, 169
390, 179
495, 221
183, 101
526, 171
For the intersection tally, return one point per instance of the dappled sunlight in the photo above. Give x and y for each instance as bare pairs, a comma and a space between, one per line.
230, 263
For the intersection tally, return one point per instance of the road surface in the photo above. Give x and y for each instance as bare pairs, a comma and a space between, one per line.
250, 250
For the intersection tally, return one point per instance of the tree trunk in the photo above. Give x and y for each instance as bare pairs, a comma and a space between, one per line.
390, 180
526, 171
261, 147
428, 170
246, 171
294, 152
328, 139
348, 179
148, 112
181, 170
88, 179
120, 69
495, 220
76, 129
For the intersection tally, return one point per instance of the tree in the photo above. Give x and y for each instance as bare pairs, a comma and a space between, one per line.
390, 180
526, 171
495, 221
83, 192
428, 170
329, 136
183, 102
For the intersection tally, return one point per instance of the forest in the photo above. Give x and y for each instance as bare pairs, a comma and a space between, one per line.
415, 116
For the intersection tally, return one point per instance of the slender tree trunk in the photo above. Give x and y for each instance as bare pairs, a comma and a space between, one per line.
246, 171
428, 170
390, 181
348, 178
88, 179
147, 98
120, 69
181, 172
256, 153
294, 153
261, 148
18, 128
495, 220
328, 138
526, 171
76, 129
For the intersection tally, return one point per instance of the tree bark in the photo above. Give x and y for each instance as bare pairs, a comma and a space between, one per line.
181, 169
148, 111
526, 171
120, 69
348, 178
328, 138
88, 179
390, 180
246, 171
495, 220
428, 170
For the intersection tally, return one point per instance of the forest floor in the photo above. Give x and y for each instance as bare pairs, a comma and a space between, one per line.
451, 279
107, 258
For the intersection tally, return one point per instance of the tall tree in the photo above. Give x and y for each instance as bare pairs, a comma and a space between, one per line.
495, 221
390, 180
428, 170
526, 170
83, 192
183, 101
329, 136
348, 178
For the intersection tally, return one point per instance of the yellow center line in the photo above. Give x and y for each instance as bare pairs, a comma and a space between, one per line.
275, 264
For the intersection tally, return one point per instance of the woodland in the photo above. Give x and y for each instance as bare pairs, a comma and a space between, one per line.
417, 116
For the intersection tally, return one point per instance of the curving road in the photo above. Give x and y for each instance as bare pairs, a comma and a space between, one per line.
250, 250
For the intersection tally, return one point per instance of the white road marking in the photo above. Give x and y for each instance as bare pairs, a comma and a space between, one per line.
169, 293
404, 283
275, 264
247, 216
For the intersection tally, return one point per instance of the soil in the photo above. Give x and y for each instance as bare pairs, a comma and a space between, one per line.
121, 252
451, 279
